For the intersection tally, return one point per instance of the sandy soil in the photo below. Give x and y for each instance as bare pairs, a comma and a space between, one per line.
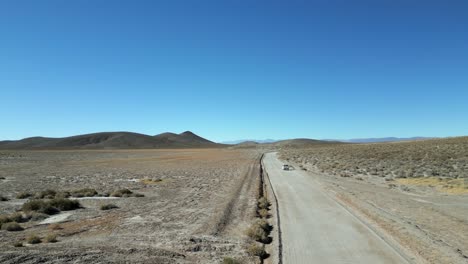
196, 213
427, 222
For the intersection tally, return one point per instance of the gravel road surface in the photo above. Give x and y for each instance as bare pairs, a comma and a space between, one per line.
317, 229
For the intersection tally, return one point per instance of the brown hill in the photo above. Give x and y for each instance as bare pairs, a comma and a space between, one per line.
113, 140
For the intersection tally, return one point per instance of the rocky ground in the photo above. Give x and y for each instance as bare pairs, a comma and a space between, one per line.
196, 205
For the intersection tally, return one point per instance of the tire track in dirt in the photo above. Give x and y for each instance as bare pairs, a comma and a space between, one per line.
241, 205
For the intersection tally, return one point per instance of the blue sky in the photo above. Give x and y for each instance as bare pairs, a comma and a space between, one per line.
234, 69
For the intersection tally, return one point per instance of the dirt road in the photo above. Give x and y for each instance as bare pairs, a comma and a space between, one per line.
316, 229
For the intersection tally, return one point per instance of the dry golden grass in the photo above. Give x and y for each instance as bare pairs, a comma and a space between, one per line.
446, 185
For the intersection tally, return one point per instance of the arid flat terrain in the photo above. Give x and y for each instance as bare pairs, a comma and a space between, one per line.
195, 207
413, 193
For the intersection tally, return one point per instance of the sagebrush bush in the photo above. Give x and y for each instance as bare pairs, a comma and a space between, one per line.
23, 195
18, 244
64, 204
35, 216
18, 217
12, 226
39, 206
33, 239
49, 194
121, 193
228, 260
125, 193
51, 238
63, 194
257, 250
3, 199
263, 213
86, 192
4, 219
257, 233
263, 203
262, 223
108, 206
52, 206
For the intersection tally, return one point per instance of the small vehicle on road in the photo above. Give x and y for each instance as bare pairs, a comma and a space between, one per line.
285, 167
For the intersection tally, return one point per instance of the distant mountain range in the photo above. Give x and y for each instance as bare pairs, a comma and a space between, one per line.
354, 140
113, 140
187, 139
376, 140
261, 141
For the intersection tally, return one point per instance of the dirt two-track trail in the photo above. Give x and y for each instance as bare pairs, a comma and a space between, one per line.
317, 229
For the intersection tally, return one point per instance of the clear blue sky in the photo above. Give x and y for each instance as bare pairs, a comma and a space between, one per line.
234, 69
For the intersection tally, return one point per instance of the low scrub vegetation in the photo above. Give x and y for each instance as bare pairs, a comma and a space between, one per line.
125, 193
257, 233
18, 244
260, 230
428, 158
51, 238
108, 206
257, 250
12, 226
52, 206
87, 192
263, 203
23, 195
33, 239
228, 260
3, 199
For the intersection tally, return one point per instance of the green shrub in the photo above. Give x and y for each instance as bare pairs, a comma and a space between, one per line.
64, 204
51, 238
23, 195
228, 260
33, 239
12, 226
108, 206
256, 250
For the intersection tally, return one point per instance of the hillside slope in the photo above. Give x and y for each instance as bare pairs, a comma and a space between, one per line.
113, 140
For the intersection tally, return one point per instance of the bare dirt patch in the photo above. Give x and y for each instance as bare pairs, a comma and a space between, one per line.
186, 194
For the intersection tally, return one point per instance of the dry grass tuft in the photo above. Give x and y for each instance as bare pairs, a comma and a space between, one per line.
12, 226
257, 250
51, 238
33, 239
